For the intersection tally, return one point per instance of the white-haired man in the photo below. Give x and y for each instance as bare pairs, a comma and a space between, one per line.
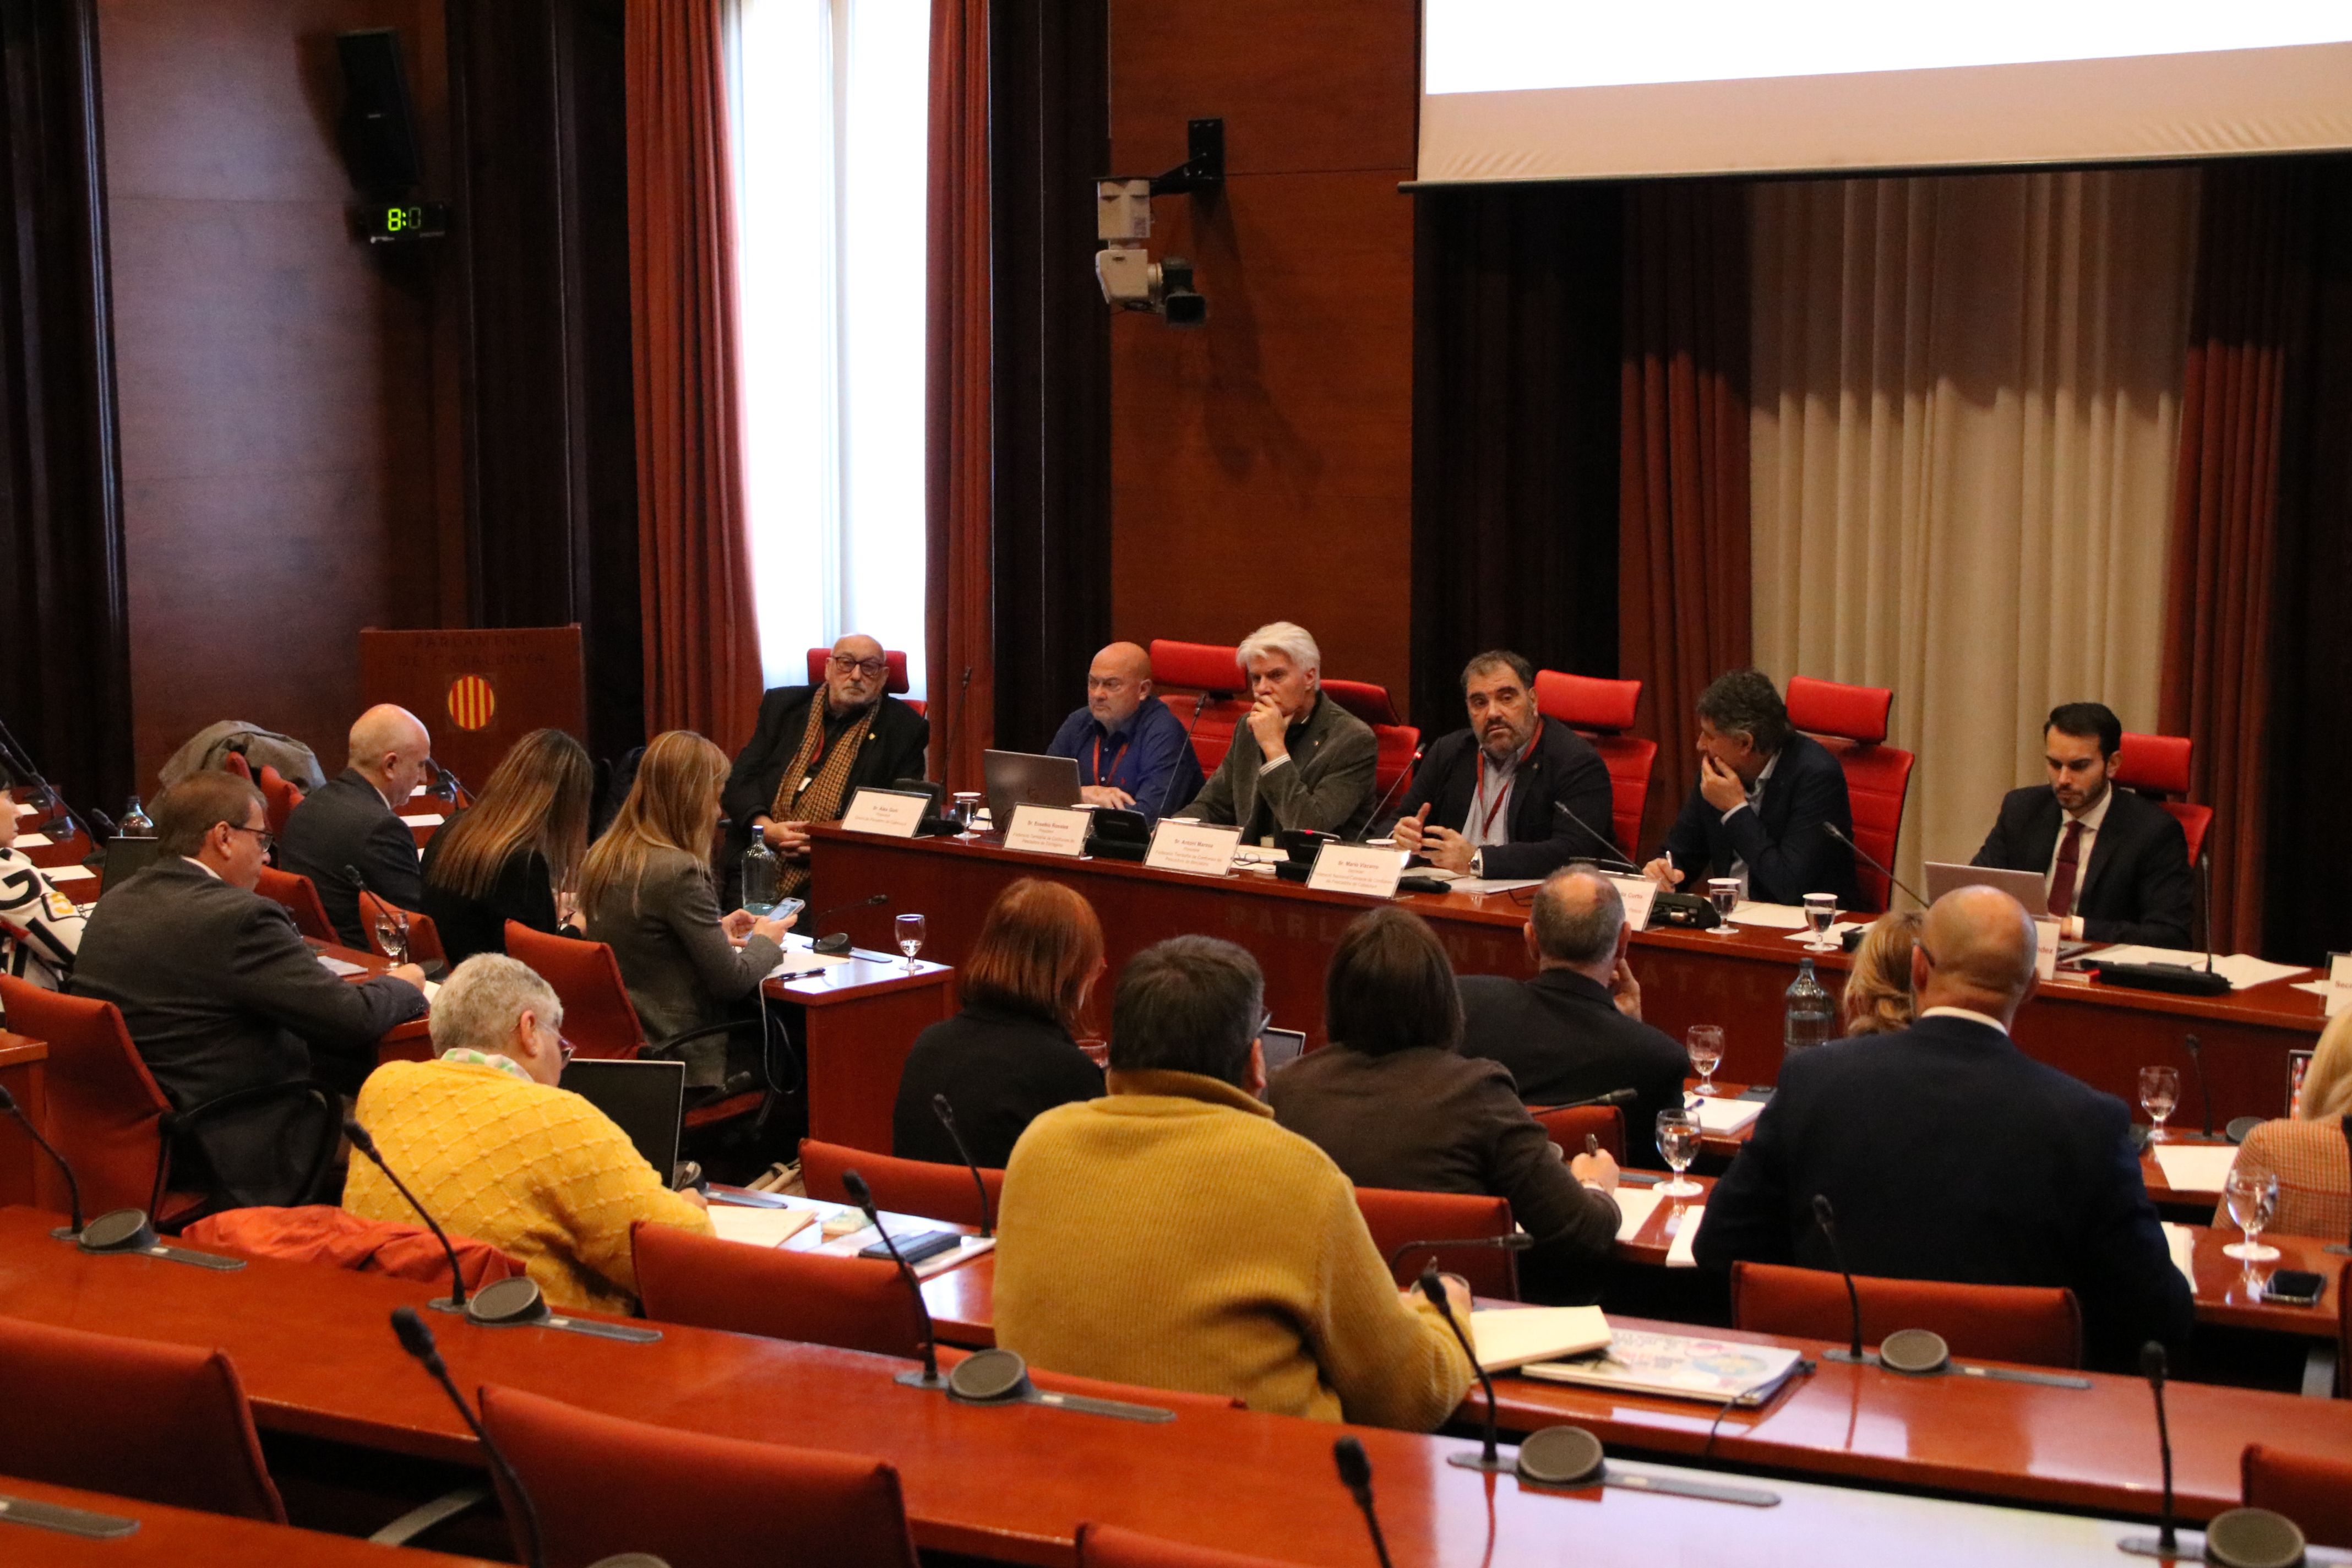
1299, 762
496, 1150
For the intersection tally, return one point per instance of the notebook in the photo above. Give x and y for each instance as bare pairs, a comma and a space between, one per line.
1511, 1337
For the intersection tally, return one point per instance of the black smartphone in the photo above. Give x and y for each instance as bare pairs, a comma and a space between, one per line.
2294, 1288
915, 1246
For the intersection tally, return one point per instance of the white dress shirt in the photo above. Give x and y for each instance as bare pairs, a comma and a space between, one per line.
1753, 803
1971, 1014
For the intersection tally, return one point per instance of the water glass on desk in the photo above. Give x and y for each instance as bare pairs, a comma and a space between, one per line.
1678, 1141
909, 931
392, 934
2252, 1198
2160, 1091
1705, 1043
1821, 913
1723, 892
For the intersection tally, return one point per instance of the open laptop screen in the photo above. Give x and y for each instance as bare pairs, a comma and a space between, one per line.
645, 1099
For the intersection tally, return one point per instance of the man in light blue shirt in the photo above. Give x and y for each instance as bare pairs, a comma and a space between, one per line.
1131, 751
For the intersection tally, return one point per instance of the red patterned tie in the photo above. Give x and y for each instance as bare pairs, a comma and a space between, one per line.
2062, 880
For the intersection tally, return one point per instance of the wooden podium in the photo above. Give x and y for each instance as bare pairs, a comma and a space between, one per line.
478, 691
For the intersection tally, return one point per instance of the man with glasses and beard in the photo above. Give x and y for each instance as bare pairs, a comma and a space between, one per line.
815, 747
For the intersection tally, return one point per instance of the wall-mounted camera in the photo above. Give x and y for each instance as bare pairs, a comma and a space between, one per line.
1131, 280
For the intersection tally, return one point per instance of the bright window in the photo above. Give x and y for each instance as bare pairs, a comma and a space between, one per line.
831, 108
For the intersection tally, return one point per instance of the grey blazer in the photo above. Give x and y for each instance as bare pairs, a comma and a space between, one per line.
220, 993
1327, 784
681, 971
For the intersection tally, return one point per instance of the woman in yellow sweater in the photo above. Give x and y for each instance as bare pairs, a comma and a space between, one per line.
486, 1141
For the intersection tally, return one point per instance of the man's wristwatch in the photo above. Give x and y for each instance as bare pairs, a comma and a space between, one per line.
1477, 863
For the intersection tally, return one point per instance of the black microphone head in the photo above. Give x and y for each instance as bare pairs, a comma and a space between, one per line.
8, 1100
1433, 1287
943, 1111
415, 1337
2153, 1362
359, 1137
1823, 1215
859, 1193
1355, 1465
2194, 1048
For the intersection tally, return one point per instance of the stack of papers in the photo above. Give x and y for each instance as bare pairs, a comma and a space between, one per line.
1686, 1224
759, 1227
34, 841
68, 873
1678, 1366
2195, 1167
1782, 917
1723, 1115
2182, 1244
1511, 1337
428, 820
2243, 968
1634, 1207
340, 966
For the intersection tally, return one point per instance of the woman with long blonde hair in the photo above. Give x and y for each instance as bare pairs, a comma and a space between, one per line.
2307, 1151
1877, 999
646, 892
516, 853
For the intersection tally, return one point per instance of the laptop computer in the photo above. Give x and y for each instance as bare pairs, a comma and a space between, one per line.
646, 1099
126, 857
2025, 887
1024, 778
1281, 1047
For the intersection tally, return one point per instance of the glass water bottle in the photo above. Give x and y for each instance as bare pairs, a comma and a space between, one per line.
1810, 1019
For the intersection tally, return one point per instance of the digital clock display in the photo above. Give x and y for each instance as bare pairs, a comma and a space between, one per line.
392, 223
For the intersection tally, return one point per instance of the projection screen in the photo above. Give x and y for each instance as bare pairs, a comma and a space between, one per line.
1551, 90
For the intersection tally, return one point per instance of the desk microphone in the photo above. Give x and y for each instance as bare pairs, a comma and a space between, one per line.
863, 1196
1432, 1289
455, 1301
1614, 1097
117, 1230
2204, 1090
945, 1111
1381, 804
1826, 1218
1607, 843
417, 1341
1200, 705
1517, 1241
73, 1187
2153, 1367
1916, 1353
1864, 855
1356, 1475
839, 942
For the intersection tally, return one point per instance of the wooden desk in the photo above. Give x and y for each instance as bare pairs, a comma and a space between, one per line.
183, 1538
317, 1357
862, 1019
25, 1174
2101, 1034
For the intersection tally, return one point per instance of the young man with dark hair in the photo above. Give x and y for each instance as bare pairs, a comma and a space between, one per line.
2115, 866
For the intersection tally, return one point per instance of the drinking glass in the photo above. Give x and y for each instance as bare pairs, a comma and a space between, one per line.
1821, 913
2252, 1198
1678, 1141
2160, 1091
1723, 892
964, 810
908, 929
1704, 1042
392, 932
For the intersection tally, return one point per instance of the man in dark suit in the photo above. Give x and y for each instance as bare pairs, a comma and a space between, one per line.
351, 822
1764, 798
1947, 1153
222, 996
1575, 1031
2117, 866
1482, 804
832, 741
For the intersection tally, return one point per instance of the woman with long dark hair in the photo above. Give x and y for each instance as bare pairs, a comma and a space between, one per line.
516, 854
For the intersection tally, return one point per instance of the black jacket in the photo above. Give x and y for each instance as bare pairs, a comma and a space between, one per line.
895, 746
1564, 768
2137, 887
1787, 853
999, 1070
344, 822
523, 892
220, 992
1950, 1154
1564, 1040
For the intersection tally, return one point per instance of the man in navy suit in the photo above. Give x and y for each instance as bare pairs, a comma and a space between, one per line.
1947, 1153
1759, 809
2117, 866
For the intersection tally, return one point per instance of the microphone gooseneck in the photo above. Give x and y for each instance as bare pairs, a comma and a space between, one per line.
73, 1187
1607, 843
839, 942
1432, 1289
2204, 1090
1356, 1475
1168, 786
945, 1111
863, 1196
1614, 1097
1832, 829
1382, 803
365, 1144
2153, 1367
416, 1338
1826, 1217
1517, 1241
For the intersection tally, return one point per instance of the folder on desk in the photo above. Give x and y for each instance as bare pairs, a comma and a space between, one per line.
1677, 1366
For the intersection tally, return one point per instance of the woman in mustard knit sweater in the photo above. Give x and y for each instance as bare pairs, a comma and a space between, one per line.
486, 1141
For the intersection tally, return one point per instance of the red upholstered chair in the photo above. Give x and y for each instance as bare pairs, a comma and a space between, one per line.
105, 1113
325, 1234
599, 1019
2158, 765
1997, 1322
235, 762
1214, 671
162, 1423
603, 1485
855, 1303
1600, 712
2316, 1493
280, 795
1108, 1546
1568, 1127
424, 936
1395, 1218
1851, 720
900, 1186
1398, 740
301, 897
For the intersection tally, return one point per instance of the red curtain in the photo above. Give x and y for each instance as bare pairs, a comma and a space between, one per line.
1682, 561
2218, 587
958, 426
702, 637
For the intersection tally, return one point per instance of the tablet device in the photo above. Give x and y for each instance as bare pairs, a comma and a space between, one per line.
2025, 887
646, 1099
1024, 778
1282, 1047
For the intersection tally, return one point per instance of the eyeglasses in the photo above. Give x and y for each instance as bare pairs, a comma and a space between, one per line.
268, 838
1264, 1019
869, 668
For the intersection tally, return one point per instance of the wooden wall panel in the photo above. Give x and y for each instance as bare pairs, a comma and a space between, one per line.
1262, 465
286, 449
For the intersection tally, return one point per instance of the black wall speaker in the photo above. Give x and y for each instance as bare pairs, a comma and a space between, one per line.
379, 127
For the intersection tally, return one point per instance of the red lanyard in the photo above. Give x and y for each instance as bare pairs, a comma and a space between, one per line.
1495, 809
1116, 757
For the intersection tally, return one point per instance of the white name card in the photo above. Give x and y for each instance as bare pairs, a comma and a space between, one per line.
1048, 829
2045, 946
2339, 981
1356, 868
891, 813
1201, 847
1641, 895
